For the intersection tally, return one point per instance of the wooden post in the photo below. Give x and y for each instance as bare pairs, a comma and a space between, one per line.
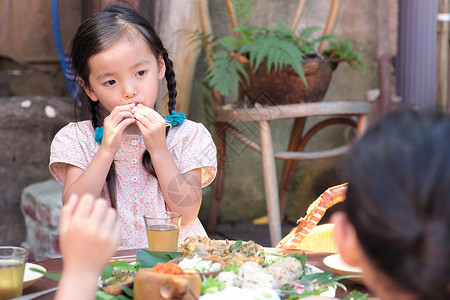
443, 48
270, 182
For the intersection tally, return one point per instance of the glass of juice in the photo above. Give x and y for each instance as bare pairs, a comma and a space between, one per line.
162, 229
12, 268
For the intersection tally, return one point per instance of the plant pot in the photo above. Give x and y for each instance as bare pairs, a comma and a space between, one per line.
285, 86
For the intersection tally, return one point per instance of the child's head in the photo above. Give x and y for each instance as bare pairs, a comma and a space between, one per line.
105, 45
398, 201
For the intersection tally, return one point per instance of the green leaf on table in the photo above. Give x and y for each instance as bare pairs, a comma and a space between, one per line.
128, 291
149, 259
356, 295
54, 276
100, 295
123, 265
107, 272
322, 279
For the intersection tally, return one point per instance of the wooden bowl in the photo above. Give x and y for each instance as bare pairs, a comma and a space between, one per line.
203, 274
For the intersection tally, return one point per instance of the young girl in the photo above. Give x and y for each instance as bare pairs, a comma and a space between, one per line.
128, 153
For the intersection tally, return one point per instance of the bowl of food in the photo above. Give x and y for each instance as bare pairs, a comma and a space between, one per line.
204, 266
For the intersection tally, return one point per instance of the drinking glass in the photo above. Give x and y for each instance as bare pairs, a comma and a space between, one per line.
163, 228
12, 268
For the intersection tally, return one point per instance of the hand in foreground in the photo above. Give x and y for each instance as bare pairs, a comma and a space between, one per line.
89, 236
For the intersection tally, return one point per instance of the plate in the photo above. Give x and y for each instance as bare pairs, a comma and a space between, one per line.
336, 263
30, 277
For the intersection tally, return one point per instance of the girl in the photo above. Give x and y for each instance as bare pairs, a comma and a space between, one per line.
127, 152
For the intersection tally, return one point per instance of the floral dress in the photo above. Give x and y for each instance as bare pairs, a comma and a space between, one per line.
138, 192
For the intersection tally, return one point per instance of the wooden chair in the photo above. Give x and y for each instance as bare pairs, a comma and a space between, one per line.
226, 115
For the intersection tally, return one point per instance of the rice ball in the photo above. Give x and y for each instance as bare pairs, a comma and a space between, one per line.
229, 278
285, 269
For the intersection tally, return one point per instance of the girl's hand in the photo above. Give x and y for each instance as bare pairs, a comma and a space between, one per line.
89, 235
114, 125
152, 126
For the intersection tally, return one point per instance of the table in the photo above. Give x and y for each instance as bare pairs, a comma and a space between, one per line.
55, 266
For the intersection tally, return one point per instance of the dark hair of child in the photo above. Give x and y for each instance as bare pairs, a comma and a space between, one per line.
398, 200
100, 32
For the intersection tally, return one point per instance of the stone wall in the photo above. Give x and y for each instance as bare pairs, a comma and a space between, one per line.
27, 127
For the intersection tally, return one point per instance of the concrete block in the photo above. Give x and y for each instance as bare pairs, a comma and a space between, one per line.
43, 200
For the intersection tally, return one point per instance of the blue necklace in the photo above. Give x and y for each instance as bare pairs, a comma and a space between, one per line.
174, 119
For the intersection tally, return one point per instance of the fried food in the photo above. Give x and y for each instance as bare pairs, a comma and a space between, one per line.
228, 251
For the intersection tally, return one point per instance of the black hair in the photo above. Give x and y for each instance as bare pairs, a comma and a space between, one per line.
101, 31
398, 200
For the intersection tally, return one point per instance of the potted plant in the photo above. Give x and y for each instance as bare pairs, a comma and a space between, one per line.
278, 62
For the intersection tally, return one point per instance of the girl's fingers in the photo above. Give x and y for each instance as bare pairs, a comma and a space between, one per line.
149, 113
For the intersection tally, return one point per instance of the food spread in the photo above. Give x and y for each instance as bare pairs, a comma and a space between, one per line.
248, 271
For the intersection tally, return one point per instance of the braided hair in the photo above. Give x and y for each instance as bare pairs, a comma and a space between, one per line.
100, 32
398, 200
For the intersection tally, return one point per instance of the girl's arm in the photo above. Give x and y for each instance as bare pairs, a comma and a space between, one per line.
91, 180
182, 192
79, 182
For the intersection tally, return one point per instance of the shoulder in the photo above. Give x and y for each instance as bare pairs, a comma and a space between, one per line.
188, 130
77, 126
79, 131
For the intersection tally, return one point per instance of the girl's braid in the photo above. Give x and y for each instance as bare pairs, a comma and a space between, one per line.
95, 115
171, 82
111, 177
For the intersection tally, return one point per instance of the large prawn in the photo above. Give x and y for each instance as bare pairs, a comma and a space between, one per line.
313, 215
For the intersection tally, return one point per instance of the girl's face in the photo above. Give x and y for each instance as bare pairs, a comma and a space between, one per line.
127, 72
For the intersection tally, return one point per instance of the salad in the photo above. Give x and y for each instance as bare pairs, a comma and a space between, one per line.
198, 265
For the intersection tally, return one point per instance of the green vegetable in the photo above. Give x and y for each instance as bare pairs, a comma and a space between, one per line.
356, 295
233, 267
236, 245
212, 285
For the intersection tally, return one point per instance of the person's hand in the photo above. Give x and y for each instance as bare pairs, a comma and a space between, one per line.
152, 126
114, 124
89, 235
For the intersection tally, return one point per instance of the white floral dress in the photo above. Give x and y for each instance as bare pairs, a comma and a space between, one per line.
138, 192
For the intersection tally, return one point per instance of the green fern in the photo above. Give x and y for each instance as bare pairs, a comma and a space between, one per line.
277, 47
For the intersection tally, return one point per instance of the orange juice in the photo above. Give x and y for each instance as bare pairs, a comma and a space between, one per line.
11, 278
163, 237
